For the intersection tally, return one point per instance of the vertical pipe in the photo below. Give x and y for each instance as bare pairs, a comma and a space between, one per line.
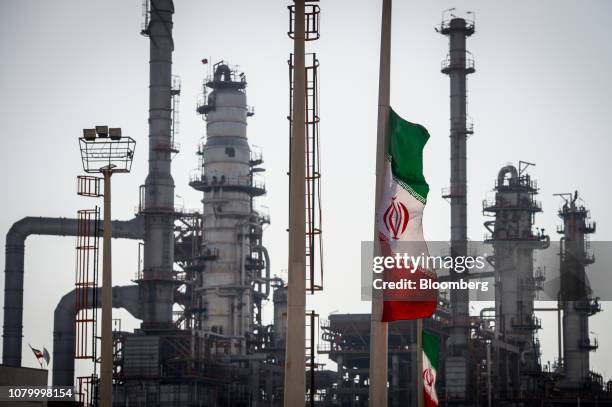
378, 329
458, 30
559, 334
106, 354
459, 299
157, 284
295, 364
13, 300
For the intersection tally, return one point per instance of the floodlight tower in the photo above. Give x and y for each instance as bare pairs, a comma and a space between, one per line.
105, 151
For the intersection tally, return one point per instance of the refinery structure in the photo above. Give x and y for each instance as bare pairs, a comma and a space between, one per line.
492, 358
205, 275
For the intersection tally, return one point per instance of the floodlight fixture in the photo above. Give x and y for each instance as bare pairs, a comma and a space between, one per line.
104, 153
115, 133
89, 134
102, 131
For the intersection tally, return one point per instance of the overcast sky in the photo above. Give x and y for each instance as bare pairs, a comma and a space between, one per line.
540, 94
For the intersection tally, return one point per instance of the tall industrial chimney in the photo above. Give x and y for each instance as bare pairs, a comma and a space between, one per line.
157, 284
457, 66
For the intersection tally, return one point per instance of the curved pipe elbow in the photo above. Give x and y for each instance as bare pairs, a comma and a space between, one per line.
14, 269
266, 255
508, 169
32, 225
223, 72
64, 337
126, 297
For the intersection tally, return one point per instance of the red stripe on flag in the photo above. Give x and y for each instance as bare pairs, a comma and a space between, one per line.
428, 401
409, 303
400, 310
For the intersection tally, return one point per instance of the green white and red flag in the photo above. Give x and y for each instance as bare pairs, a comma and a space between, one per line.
399, 221
431, 350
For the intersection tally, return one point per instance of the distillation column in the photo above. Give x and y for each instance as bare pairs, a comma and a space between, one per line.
575, 299
516, 348
231, 249
457, 66
157, 284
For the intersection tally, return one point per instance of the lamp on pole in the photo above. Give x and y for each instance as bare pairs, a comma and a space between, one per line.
104, 150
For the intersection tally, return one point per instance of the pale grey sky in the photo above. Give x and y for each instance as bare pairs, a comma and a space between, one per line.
540, 94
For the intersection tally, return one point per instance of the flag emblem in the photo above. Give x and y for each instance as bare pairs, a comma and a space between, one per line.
428, 378
396, 218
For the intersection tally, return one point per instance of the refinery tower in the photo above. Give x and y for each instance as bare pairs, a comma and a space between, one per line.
237, 276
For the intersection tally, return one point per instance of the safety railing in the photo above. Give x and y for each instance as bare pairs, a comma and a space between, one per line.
449, 64
311, 21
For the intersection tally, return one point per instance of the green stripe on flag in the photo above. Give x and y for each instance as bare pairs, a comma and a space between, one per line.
406, 143
431, 348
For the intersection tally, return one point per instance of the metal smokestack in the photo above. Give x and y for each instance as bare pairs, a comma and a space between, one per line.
457, 66
157, 285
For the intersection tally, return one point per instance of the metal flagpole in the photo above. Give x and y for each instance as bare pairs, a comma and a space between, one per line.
295, 363
419, 362
378, 329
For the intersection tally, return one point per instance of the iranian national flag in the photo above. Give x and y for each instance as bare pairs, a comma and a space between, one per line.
40, 355
431, 349
37, 353
399, 219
